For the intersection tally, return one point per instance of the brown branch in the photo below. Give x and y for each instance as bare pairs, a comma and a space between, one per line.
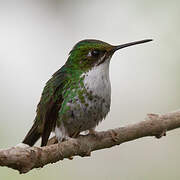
25, 159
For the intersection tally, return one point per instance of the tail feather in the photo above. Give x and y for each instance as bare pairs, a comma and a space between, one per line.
32, 136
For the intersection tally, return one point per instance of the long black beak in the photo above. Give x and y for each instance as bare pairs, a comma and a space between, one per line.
130, 44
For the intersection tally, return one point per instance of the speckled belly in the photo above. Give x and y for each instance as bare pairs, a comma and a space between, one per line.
90, 104
85, 116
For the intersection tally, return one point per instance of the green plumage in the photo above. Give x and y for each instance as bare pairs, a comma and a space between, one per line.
68, 83
64, 85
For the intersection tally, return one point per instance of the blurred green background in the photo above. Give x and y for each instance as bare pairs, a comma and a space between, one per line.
35, 38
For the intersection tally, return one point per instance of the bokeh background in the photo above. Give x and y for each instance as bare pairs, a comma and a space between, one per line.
35, 38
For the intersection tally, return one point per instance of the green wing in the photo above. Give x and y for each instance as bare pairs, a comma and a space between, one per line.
50, 103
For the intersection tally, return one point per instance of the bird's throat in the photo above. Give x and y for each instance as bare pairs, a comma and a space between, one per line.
97, 80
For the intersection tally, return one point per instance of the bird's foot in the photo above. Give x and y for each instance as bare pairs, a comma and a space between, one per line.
93, 133
55, 140
51, 141
67, 138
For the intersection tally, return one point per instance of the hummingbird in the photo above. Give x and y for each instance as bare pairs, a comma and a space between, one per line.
78, 95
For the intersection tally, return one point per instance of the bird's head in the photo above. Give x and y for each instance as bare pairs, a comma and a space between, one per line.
89, 53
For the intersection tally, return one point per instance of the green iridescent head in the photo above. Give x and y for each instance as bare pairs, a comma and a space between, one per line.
90, 53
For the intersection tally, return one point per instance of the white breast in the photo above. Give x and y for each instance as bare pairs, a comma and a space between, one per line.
84, 116
97, 80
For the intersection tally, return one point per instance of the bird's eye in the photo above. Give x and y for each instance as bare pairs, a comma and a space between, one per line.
95, 53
